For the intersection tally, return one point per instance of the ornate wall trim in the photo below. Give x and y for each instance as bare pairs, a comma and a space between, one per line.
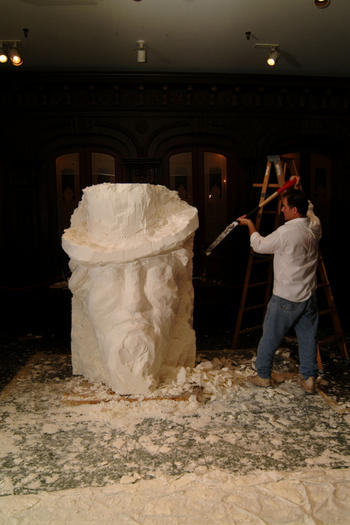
69, 92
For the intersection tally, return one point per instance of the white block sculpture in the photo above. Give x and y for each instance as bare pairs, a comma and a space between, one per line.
131, 249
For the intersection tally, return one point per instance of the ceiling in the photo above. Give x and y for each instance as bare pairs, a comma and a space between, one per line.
188, 36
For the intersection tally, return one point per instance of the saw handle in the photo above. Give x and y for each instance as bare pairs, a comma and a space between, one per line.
288, 184
285, 186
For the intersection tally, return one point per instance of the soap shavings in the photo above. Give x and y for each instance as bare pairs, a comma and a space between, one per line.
208, 381
119, 440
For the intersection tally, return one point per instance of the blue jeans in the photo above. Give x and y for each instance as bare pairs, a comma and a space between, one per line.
281, 316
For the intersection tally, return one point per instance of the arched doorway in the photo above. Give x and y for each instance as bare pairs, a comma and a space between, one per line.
200, 175
209, 179
75, 171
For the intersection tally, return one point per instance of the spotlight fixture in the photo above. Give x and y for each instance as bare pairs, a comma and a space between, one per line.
141, 52
9, 51
273, 57
273, 53
322, 3
3, 55
15, 56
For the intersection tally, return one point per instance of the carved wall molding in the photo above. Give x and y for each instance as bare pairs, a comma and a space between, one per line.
221, 93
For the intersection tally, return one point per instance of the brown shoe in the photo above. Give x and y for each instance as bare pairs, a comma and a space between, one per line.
260, 381
308, 385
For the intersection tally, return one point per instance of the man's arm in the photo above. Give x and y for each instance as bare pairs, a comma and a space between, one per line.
247, 222
315, 223
260, 244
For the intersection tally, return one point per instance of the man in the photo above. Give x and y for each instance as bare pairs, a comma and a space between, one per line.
293, 302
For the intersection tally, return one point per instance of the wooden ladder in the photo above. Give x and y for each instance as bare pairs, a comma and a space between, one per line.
264, 263
331, 309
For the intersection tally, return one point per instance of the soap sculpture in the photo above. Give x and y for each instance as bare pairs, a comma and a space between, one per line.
131, 251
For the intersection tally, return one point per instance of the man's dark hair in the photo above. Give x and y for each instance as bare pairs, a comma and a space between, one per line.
298, 199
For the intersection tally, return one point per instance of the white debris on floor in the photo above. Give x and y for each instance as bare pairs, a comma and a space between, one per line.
207, 447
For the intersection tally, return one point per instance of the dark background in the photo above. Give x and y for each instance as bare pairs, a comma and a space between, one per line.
142, 120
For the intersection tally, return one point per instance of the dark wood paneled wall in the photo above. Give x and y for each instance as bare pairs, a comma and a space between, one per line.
142, 119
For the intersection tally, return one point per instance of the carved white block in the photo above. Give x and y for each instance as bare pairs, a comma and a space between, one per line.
131, 249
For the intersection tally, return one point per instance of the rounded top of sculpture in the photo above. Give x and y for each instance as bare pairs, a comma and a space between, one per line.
123, 222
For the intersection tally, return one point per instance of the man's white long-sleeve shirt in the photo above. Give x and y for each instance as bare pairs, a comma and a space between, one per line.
295, 249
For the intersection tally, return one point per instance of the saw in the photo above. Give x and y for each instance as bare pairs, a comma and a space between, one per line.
235, 223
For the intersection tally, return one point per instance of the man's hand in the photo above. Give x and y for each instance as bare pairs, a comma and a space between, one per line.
247, 222
297, 182
243, 220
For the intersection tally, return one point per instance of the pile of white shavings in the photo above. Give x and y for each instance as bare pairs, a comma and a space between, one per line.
208, 381
217, 379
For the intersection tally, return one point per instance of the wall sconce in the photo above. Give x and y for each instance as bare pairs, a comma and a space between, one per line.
322, 3
9, 51
141, 52
273, 53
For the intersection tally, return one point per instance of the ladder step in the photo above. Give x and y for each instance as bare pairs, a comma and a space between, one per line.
254, 307
255, 285
250, 329
325, 312
330, 339
260, 185
260, 260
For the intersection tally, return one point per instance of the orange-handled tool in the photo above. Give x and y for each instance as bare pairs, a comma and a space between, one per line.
235, 223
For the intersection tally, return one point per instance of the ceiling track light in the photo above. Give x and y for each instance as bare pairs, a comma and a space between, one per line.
15, 56
273, 55
141, 54
10, 52
322, 3
3, 55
